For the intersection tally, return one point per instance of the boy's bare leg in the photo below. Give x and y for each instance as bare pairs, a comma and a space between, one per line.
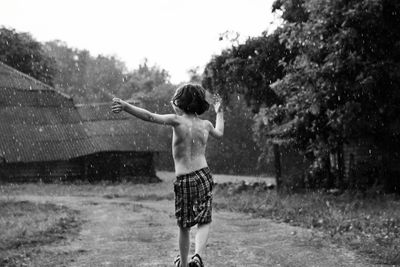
201, 238
184, 244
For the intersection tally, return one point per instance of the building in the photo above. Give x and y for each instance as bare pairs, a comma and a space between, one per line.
45, 136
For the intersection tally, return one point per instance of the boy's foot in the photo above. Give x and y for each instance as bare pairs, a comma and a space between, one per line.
177, 261
196, 261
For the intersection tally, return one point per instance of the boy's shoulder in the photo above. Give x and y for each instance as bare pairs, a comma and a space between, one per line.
206, 123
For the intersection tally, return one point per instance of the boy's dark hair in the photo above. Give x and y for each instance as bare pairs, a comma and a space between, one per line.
191, 98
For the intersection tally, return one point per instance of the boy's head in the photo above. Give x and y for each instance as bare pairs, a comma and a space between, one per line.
191, 99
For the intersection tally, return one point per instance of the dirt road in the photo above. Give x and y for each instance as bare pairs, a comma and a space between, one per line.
119, 231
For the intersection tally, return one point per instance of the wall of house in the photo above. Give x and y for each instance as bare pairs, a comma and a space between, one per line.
40, 171
117, 166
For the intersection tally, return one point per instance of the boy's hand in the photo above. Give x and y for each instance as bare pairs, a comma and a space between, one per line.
217, 103
118, 105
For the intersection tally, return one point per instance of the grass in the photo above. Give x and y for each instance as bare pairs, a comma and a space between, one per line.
104, 188
25, 225
371, 226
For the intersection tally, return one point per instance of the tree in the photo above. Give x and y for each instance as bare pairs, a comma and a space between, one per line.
237, 152
248, 69
84, 77
344, 83
195, 75
143, 80
22, 52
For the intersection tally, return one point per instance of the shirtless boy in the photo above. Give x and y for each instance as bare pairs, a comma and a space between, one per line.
194, 183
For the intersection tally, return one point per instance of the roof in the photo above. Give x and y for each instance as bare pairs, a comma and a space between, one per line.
121, 132
38, 123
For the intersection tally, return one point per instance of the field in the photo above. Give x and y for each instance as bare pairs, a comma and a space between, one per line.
133, 225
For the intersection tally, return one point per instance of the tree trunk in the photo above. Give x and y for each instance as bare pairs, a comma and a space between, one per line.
278, 170
340, 175
330, 182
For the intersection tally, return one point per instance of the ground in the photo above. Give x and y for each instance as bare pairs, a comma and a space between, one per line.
121, 229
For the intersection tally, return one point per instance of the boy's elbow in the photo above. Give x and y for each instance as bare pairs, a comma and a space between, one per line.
148, 117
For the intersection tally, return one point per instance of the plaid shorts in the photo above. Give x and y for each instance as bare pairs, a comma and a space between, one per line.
193, 197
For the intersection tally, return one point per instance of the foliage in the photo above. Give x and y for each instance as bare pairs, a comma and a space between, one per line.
84, 77
20, 51
195, 75
248, 69
293, 10
330, 74
347, 69
143, 80
99, 79
236, 153
344, 83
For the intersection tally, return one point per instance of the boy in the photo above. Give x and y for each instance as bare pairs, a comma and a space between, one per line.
193, 185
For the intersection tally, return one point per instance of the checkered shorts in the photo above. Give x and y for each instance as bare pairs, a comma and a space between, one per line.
193, 197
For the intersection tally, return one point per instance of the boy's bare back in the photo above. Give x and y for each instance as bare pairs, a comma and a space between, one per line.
189, 144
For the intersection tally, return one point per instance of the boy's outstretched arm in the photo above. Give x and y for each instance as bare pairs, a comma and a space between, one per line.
218, 131
143, 114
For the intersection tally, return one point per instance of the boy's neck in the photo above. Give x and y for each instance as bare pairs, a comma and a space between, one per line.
190, 116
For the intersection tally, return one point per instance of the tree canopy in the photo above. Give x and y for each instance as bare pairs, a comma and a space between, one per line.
329, 74
248, 69
97, 79
22, 52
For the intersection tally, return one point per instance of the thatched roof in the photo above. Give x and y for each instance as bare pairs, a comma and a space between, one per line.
38, 123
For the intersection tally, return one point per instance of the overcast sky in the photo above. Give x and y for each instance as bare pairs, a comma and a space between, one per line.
174, 34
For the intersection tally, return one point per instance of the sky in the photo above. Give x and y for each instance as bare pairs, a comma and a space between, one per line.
175, 35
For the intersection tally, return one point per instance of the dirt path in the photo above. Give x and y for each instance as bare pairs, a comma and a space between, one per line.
122, 232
